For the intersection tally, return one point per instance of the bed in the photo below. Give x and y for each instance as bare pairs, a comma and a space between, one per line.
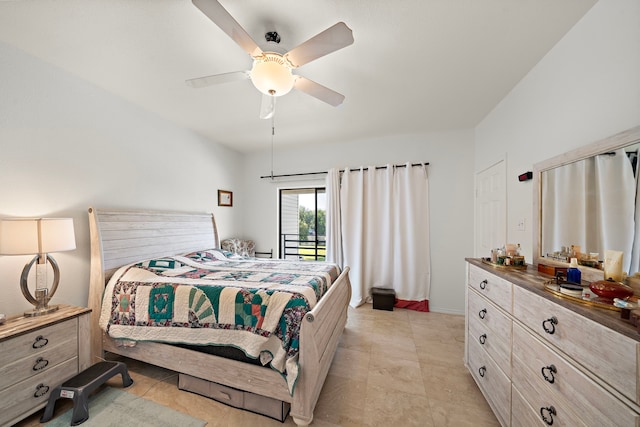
120, 238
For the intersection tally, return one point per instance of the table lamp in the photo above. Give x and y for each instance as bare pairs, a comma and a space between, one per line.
39, 236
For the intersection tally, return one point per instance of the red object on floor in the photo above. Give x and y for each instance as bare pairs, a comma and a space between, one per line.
413, 305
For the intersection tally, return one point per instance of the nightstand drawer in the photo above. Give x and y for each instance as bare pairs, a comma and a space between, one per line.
36, 342
37, 363
32, 394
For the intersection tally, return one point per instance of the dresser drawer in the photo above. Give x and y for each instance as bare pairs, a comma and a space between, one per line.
484, 312
522, 414
38, 341
495, 385
533, 361
492, 287
29, 395
556, 409
601, 351
37, 363
497, 346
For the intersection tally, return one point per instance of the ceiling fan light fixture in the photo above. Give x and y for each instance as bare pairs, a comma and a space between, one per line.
271, 75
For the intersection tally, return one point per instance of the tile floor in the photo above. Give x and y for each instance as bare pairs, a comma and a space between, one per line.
392, 368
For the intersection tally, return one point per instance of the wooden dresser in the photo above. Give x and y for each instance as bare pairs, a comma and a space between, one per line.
38, 353
542, 360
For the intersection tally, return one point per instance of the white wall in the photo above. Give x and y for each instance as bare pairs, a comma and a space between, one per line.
585, 89
66, 145
450, 155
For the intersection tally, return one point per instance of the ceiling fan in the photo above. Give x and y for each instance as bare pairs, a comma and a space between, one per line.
272, 72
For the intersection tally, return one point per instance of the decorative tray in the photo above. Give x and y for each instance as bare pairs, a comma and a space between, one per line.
552, 287
506, 267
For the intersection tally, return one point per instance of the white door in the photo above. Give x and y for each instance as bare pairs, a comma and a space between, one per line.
491, 209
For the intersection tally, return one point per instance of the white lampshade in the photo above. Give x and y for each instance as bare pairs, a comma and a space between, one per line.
271, 76
36, 236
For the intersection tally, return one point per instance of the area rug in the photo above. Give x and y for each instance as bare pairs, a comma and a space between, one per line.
117, 408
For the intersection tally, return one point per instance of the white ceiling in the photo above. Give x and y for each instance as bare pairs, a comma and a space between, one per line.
415, 66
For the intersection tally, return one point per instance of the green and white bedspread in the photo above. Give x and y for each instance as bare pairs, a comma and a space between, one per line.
210, 298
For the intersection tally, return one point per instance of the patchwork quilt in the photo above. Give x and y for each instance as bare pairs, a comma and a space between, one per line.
211, 297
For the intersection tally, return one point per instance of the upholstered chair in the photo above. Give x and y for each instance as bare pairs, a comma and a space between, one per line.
239, 247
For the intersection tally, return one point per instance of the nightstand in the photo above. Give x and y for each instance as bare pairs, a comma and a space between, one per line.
37, 354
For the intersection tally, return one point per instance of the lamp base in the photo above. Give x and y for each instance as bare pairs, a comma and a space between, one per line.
41, 311
43, 295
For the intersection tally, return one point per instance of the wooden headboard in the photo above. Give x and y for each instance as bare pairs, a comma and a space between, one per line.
120, 237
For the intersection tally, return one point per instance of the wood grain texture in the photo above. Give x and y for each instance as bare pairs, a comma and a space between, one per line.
488, 338
36, 354
492, 287
490, 316
594, 351
20, 359
21, 399
603, 352
118, 238
570, 388
496, 343
531, 280
523, 415
495, 385
19, 325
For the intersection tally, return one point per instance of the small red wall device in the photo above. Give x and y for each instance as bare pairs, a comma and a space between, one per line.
525, 176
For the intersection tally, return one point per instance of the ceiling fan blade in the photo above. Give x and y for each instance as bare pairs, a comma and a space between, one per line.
267, 106
223, 19
330, 40
318, 91
217, 79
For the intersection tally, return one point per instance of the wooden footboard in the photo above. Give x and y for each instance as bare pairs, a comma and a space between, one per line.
319, 335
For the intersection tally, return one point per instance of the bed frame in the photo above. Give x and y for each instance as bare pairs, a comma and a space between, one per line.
121, 237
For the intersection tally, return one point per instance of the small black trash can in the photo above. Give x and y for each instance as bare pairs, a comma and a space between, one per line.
383, 298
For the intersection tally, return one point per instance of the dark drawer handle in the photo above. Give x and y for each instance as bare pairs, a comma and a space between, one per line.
552, 370
482, 313
482, 371
40, 342
552, 321
483, 339
40, 364
483, 284
550, 411
41, 390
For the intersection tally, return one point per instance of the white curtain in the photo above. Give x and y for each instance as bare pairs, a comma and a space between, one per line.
635, 255
590, 203
384, 216
333, 223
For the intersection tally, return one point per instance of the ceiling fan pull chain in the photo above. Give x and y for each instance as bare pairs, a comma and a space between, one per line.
273, 132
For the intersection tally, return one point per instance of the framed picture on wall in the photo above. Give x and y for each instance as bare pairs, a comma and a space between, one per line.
225, 198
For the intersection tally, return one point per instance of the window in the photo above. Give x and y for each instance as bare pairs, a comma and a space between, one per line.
302, 223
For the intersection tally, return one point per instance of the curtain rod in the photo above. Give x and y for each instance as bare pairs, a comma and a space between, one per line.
341, 171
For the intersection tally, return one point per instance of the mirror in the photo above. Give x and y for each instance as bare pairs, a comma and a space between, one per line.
586, 199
